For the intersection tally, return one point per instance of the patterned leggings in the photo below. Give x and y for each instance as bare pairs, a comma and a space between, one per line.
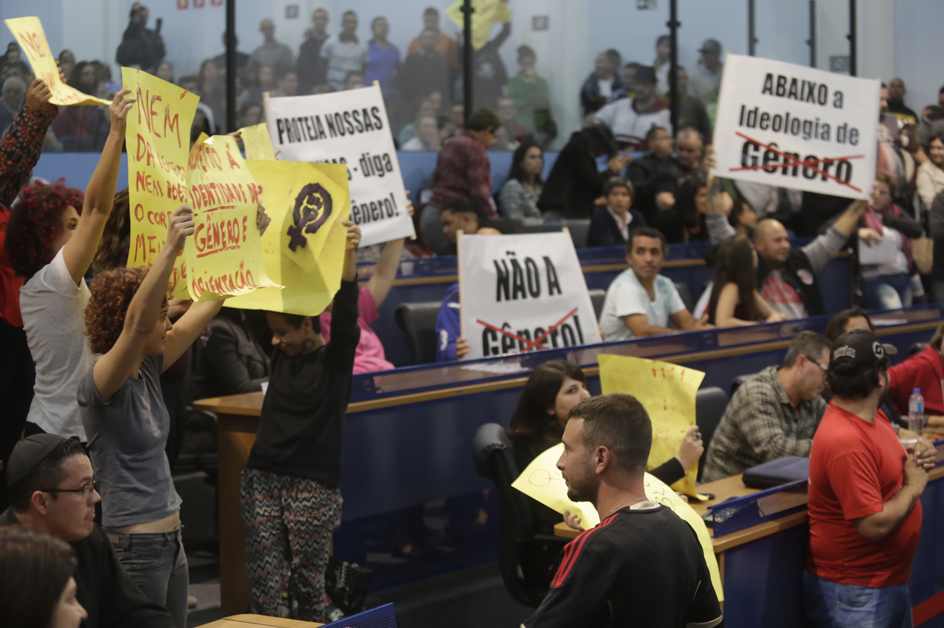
288, 524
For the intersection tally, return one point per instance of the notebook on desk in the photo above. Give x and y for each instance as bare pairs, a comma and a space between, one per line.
776, 472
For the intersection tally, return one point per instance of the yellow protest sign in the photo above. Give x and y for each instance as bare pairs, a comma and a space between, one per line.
303, 248
257, 142
667, 392
29, 33
542, 481
158, 143
225, 258
487, 14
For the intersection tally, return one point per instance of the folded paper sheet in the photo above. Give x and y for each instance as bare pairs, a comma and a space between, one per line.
667, 392
257, 142
29, 33
303, 248
542, 481
487, 14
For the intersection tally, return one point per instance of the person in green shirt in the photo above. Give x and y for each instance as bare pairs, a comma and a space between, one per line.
529, 91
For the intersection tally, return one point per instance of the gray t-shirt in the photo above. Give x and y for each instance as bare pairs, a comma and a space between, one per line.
53, 308
126, 437
343, 57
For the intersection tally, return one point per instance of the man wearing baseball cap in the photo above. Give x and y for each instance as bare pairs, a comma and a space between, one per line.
705, 82
52, 490
864, 497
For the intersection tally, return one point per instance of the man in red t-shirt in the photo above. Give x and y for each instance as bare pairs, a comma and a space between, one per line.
865, 512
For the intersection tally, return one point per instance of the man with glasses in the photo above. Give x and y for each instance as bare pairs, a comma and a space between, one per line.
52, 490
775, 413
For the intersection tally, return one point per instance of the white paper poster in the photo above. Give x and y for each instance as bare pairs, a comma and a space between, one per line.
796, 127
522, 293
349, 128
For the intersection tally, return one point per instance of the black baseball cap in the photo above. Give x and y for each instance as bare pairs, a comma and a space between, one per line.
858, 351
28, 453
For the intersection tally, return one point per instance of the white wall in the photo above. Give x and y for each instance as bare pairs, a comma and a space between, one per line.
918, 50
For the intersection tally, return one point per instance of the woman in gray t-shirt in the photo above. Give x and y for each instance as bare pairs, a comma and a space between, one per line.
127, 424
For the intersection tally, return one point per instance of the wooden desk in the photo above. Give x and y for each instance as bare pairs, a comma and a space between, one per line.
248, 621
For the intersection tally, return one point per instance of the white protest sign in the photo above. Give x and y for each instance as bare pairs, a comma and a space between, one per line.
523, 293
349, 128
796, 127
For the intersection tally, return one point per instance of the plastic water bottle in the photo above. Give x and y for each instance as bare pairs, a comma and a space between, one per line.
916, 417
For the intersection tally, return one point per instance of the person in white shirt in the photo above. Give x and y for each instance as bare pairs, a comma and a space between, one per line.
640, 301
54, 296
630, 119
345, 53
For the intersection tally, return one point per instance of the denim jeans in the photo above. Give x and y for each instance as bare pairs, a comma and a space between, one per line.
887, 292
157, 563
833, 605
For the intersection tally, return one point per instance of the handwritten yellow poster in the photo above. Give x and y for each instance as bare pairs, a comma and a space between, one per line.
29, 33
158, 144
667, 392
257, 142
543, 482
487, 14
225, 258
303, 248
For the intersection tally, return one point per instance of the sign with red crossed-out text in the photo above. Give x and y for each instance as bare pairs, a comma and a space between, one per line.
521, 293
796, 127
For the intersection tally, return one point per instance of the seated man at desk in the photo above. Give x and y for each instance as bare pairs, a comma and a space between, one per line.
643, 565
52, 490
864, 497
774, 414
640, 301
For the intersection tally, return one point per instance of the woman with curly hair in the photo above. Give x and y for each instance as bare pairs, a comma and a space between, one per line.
553, 389
735, 300
51, 245
37, 588
123, 412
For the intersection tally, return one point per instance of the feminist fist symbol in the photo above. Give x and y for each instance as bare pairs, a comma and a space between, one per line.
312, 208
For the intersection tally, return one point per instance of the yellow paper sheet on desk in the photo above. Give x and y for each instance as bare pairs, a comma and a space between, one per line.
257, 142
303, 248
487, 14
667, 392
32, 39
226, 256
158, 144
542, 481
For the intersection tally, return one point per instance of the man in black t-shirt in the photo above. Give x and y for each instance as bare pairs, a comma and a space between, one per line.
642, 565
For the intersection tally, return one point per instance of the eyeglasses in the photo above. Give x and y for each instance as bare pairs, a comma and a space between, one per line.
823, 366
85, 490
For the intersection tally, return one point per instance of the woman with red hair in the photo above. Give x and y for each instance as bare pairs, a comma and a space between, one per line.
51, 246
122, 410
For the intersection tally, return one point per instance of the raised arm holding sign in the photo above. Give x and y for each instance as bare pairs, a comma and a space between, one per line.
29, 33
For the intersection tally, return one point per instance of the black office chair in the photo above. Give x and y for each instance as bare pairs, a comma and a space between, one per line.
578, 228
710, 404
597, 297
418, 321
916, 348
527, 560
686, 295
